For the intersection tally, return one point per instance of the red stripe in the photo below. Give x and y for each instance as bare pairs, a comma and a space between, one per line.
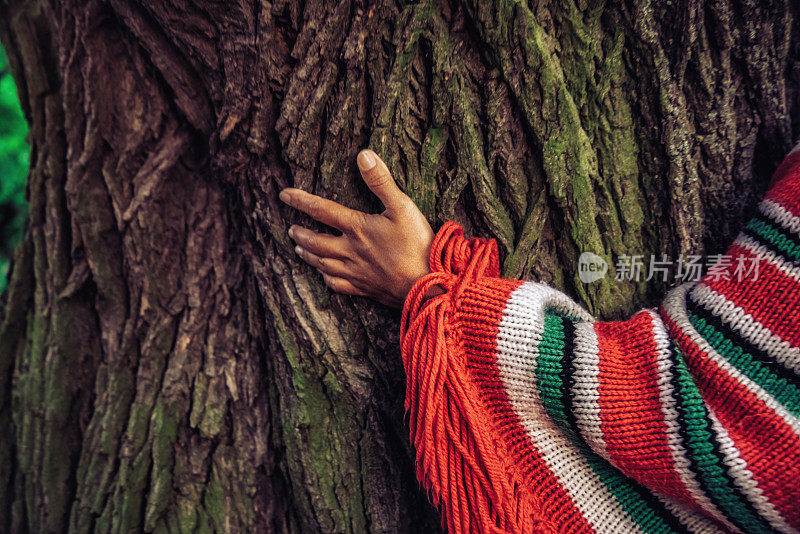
631, 415
765, 441
773, 299
785, 184
479, 331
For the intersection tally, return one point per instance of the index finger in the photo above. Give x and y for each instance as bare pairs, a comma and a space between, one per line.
319, 208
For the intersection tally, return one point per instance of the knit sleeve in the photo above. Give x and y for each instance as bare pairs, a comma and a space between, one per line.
528, 415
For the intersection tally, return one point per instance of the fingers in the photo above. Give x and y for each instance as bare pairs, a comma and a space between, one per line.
378, 178
321, 209
332, 271
320, 244
331, 266
340, 285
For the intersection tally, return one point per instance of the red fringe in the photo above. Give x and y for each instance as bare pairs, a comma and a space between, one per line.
459, 460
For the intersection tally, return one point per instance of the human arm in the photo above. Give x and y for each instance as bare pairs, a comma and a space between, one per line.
526, 413
678, 419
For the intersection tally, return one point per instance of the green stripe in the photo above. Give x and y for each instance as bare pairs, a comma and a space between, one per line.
777, 387
776, 236
699, 444
548, 376
548, 369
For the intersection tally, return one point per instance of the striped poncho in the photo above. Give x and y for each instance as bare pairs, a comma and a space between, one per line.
529, 416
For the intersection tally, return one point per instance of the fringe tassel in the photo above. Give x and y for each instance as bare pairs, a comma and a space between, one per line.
458, 461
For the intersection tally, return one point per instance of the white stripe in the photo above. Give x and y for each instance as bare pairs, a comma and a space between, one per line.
585, 389
746, 325
777, 213
757, 249
675, 308
743, 478
680, 456
518, 337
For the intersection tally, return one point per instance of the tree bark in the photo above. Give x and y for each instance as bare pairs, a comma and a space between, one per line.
168, 364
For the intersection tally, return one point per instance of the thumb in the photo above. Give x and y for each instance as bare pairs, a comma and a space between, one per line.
378, 178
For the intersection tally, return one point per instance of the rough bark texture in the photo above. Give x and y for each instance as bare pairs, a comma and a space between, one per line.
166, 362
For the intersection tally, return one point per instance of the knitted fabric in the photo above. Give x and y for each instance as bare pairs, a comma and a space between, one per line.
529, 416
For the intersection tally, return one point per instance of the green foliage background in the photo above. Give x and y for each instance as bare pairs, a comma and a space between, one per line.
14, 159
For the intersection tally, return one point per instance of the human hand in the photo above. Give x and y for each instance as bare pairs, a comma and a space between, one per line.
378, 255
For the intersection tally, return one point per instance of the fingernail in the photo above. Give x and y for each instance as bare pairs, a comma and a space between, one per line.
298, 249
291, 232
365, 160
285, 196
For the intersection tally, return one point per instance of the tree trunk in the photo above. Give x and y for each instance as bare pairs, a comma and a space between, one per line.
166, 361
